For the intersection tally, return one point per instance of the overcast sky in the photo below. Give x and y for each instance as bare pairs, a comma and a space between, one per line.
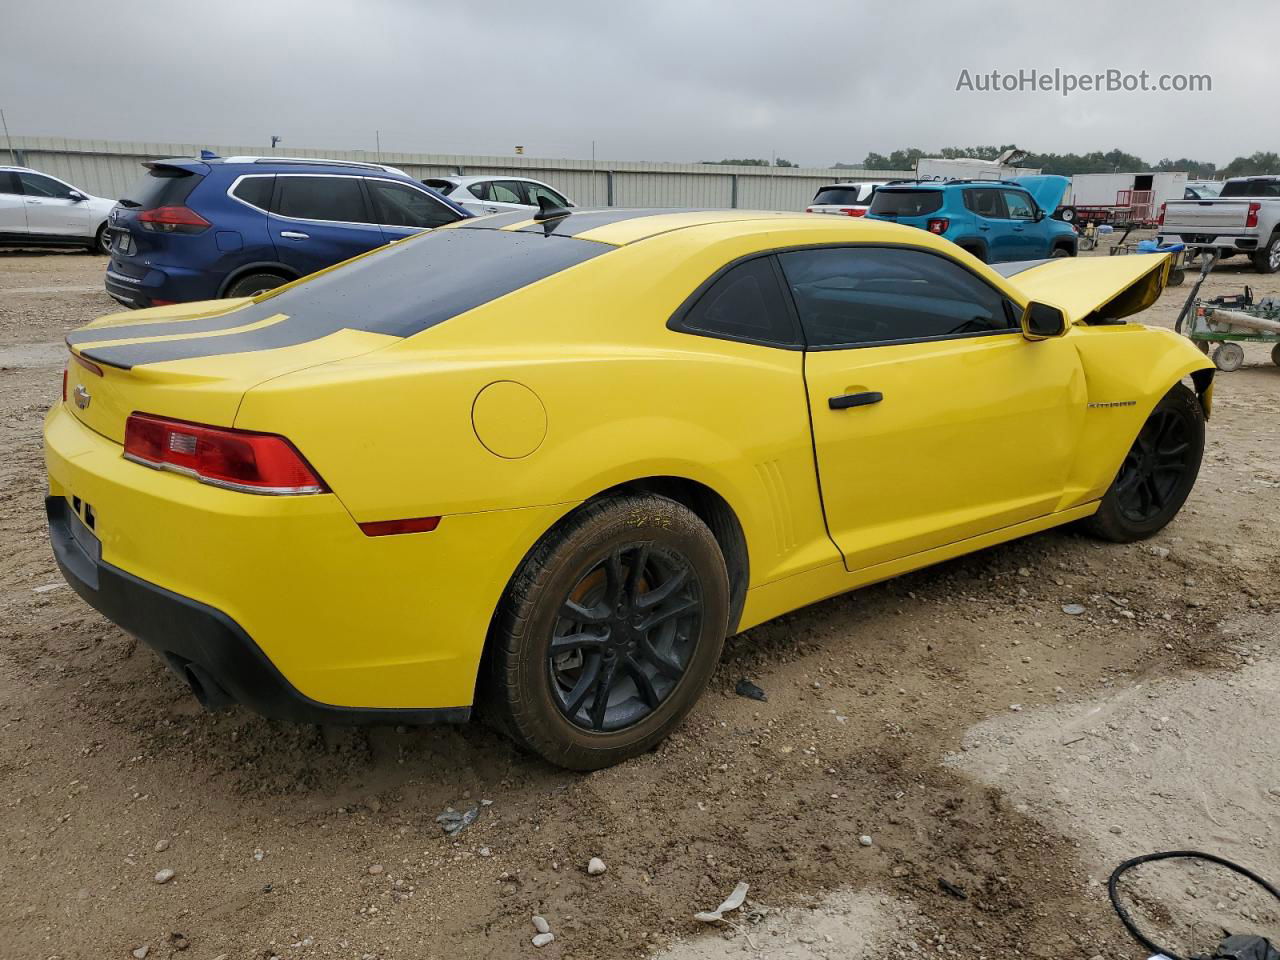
680, 80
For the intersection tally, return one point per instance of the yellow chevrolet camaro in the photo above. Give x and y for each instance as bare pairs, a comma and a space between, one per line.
546, 465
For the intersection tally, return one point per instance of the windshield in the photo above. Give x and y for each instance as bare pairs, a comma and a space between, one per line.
906, 203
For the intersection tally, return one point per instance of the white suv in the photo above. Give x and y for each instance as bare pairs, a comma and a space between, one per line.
37, 210
849, 199
483, 195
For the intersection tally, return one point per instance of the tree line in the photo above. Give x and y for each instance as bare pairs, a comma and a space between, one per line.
1067, 164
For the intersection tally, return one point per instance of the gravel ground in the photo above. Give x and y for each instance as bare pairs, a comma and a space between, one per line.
889, 717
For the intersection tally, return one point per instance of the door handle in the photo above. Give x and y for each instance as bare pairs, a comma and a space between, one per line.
847, 400
294, 235
983, 226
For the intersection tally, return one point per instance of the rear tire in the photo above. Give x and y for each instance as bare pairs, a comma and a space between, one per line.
1275, 354
1267, 260
1157, 474
252, 284
627, 667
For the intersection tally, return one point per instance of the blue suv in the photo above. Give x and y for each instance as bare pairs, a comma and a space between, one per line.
238, 226
995, 220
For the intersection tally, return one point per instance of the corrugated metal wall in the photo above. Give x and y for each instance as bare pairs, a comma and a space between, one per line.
107, 168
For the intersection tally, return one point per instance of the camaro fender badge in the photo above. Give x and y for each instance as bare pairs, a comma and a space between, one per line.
1115, 403
81, 396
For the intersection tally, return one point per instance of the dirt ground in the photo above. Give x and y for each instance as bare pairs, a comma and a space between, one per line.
1000, 754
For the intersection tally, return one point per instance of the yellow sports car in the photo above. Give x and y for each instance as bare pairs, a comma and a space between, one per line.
547, 464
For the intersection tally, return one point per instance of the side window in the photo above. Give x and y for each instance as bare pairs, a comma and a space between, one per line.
480, 190
398, 205
1021, 206
9, 183
745, 303
255, 191
536, 190
985, 203
322, 198
35, 185
849, 296
505, 191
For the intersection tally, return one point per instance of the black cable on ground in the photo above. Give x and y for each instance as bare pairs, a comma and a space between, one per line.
1113, 884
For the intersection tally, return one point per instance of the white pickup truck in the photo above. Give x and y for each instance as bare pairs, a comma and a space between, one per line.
1243, 218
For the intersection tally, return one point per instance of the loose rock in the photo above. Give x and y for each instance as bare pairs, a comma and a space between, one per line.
376, 870
865, 840
1072, 609
141, 952
540, 924
595, 867
542, 939
165, 875
162, 845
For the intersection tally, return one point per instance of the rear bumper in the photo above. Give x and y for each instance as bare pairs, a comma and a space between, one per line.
164, 284
286, 589
1228, 241
209, 650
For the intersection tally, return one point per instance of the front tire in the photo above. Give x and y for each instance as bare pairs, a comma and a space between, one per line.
1157, 474
101, 241
608, 632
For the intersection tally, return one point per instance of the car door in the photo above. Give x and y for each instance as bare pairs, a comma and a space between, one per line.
401, 210
1030, 242
934, 420
13, 210
505, 196
52, 208
992, 222
318, 220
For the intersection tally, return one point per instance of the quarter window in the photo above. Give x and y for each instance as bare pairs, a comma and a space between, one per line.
1021, 206
398, 205
479, 190
850, 297
322, 198
34, 185
744, 303
9, 182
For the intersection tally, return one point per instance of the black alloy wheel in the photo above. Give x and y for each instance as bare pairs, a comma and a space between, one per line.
625, 637
1154, 466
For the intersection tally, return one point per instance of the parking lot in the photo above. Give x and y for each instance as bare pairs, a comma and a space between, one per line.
1001, 754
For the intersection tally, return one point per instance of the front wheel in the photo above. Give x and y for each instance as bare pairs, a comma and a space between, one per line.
101, 241
608, 632
1157, 474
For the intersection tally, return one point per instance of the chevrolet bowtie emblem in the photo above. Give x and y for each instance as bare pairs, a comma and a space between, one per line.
81, 396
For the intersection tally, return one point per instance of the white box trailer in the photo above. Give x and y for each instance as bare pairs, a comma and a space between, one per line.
1139, 193
967, 168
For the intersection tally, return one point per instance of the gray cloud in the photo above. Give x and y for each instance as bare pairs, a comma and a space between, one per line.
812, 80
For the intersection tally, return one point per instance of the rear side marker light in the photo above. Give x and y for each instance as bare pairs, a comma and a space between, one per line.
385, 528
242, 460
939, 225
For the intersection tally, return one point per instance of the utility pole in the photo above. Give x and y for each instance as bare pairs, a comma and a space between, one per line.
13, 157
594, 201
377, 139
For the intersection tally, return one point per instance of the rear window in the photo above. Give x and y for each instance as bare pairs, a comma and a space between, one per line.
162, 187
906, 203
1251, 188
841, 196
400, 290
255, 191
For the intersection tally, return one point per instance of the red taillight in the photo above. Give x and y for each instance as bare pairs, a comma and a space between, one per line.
173, 220
235, 459
385, 528
809, 210
854, 211
939, 225
1160, 219
1251, 218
